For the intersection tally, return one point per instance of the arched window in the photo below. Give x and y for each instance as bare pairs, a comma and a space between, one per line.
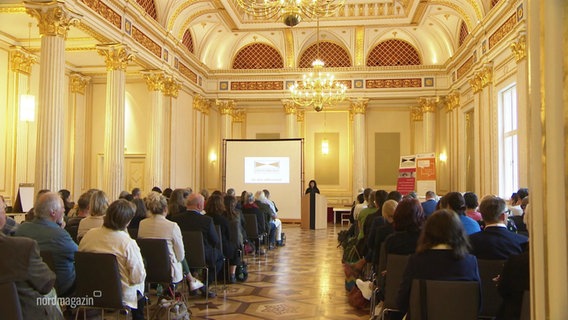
258, 56
149, 7
393, 52
188, 41
333, 55
463, 33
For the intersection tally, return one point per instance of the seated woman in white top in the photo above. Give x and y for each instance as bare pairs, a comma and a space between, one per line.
97, 209
112, 238
157, 226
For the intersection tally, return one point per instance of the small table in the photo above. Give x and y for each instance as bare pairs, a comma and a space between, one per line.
340, 212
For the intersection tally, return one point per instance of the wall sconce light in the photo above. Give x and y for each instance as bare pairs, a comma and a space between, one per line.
325, 146
27, 107
443, 157
212, 157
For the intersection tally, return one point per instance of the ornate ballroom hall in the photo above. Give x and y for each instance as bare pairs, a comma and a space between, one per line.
117, 94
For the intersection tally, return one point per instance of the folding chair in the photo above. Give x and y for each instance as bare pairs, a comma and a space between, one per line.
444, 300
10, 302
395, 266
225, 260
97, 276
491, 300
195, 255
252, 230
526, 306
156, 260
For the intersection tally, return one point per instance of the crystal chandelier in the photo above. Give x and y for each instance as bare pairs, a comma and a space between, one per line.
317, 89
291, 11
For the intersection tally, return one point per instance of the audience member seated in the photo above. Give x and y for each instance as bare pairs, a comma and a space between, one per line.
47, 230
236, 220
141, 213
177, 202
66, 197
34, 280
215, 208
512, 283
263, 205
456, 202
250, 207
193, 220
441, 254
515, 205
362, 205
276, 241
82, 211
495, 242
97, 209
30, 213
112, 238
381, 233
10, 225
471, 204
362, 217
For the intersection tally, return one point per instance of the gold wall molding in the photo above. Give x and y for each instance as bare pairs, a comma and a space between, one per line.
482, 78
452, 100
154, 79
238, 115
184, 70
427, 104
226, 107
289, 106
289, 46
117, 55
171, 87
519, 47
359, 105
416, 114
465, 67
78, 82
105, 11
21, 61
256, 85
146, 42
393, 83
503, 30
359, 46
54, 18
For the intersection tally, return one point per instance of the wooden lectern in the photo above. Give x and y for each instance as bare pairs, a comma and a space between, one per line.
314, 211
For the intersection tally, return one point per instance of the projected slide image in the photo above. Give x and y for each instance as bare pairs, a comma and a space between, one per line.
267, 170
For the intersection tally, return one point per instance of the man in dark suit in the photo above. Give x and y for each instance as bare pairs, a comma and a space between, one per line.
22, 264
495, 242
193, 220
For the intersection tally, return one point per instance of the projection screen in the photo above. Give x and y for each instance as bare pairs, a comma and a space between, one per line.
276, 165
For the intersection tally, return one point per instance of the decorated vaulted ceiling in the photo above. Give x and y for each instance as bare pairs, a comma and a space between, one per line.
214, 40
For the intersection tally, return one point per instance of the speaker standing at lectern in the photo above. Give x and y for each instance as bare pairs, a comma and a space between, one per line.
313, 187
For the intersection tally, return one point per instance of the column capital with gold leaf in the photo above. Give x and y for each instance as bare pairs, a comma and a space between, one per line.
117, 55
428, 104
519, 46
416, 114
238, 115
289, 106
54, 17
359, 105
452, 101
154, 79
226, 107
201, 104
79, 82
171, 87
21, 61
482, 78
300, 115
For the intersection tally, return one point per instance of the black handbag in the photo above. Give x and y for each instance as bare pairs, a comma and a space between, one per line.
241, 273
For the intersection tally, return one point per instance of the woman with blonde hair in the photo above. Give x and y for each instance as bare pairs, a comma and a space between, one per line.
156, 226
98, 206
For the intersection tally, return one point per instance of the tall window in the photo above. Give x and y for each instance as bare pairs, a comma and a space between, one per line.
508, 142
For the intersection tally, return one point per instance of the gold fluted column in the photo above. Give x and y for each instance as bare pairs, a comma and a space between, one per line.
239, 117
226, 108
428, 107
547, 166
300, 115
155, 150
519, 51
77, 135
416, 125
170, 91
358, 108
54, 21
290, 109
116, 57
22, 141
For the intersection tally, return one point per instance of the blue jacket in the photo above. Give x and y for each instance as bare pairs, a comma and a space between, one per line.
497, 243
